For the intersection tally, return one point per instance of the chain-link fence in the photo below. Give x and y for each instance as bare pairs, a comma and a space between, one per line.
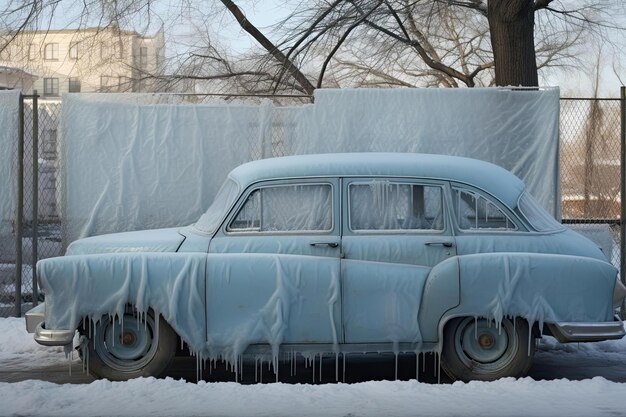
590, 173
590, 160
39, 230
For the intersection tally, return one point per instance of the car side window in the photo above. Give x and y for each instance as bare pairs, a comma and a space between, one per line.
473, 211
286, 208
388, 205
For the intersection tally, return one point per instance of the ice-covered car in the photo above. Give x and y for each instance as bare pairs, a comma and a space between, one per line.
331, 255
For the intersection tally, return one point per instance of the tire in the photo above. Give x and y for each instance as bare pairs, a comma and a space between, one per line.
477, 350
141, 350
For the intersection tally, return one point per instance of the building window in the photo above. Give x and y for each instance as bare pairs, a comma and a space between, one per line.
109, 84
119, 50
51, 51
50, 86
32, 52
143, 57
73, 85
105, 51
73, 51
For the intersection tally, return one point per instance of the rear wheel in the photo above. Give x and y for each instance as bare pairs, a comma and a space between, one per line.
474, 349
130, 349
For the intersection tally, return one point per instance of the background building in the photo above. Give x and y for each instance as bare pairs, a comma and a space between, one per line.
87, 60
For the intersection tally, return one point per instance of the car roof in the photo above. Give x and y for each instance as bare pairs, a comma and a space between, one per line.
489, 177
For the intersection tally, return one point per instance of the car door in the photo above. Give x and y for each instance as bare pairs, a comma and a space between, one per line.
273, 270
395, 231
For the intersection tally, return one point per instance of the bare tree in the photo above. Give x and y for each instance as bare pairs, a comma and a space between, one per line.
367, 42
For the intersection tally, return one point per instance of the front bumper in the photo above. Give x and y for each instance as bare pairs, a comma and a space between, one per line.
35, 324
587, 332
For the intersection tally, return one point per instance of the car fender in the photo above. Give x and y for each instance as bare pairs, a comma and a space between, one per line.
90, 286
541, 288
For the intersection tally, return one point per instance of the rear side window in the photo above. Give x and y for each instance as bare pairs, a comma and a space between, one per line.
387, 205
286, 208
475, 212
539, 219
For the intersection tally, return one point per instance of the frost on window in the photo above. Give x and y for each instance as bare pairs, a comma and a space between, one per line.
286, 208
475, 212
386, 205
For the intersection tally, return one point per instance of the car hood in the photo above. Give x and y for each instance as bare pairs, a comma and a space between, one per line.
157, 240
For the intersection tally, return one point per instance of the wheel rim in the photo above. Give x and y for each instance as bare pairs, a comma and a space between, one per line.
126, 347
482, 347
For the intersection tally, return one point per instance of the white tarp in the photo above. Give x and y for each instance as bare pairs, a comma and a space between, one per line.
131, 163
9, 105
128, 166
516, 129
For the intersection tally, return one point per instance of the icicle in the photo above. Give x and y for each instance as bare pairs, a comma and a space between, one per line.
438, 362
530, 336
71, 357
424, 362
396, 376
112, 321
343, 356
476, 327
157, 319
417, 366
321, 363
314, 368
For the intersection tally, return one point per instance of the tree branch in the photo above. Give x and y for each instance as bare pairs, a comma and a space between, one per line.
269, 46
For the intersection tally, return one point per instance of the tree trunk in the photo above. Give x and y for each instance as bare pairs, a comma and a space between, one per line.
512, 24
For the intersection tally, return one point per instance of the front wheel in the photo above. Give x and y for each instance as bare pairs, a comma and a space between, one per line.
475, 349
132, 348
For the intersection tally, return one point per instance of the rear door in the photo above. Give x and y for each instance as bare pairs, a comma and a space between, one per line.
395, 230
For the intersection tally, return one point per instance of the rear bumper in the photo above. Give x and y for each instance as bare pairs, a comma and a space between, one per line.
35, 324
587, 332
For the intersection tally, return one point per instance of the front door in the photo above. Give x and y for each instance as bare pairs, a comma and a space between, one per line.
273, 269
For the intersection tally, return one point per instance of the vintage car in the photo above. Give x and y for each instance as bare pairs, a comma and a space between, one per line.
337, 254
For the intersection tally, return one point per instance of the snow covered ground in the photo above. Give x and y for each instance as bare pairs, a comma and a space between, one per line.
592, 396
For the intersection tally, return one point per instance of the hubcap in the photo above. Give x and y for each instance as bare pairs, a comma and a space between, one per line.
126, 346
483, 347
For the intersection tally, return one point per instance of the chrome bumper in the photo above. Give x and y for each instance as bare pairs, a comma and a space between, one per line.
35, 316
587, 332
35, 324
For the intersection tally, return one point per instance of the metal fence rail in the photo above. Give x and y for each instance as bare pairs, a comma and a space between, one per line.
592, 134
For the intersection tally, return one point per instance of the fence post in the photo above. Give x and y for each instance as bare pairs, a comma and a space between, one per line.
20, 208
623, 196
35, 215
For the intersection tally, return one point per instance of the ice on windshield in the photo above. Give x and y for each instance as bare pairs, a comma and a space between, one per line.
224, 199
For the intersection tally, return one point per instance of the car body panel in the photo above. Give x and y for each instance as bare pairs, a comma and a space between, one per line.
90, 286
157, 240
541, 288
271, 299
381, 301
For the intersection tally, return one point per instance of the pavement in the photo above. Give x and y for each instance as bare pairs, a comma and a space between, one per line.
548, 365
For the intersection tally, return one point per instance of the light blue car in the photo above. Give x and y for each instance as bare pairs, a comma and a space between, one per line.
337, 254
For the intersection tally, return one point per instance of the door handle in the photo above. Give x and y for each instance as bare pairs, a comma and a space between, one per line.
442, 243
330, 244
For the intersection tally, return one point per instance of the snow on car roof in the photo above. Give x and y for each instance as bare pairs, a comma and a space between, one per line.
496, 180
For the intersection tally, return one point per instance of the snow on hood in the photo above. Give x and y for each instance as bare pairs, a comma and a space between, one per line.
157, 240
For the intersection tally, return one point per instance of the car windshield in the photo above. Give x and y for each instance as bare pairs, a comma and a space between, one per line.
225, 197
538, 218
